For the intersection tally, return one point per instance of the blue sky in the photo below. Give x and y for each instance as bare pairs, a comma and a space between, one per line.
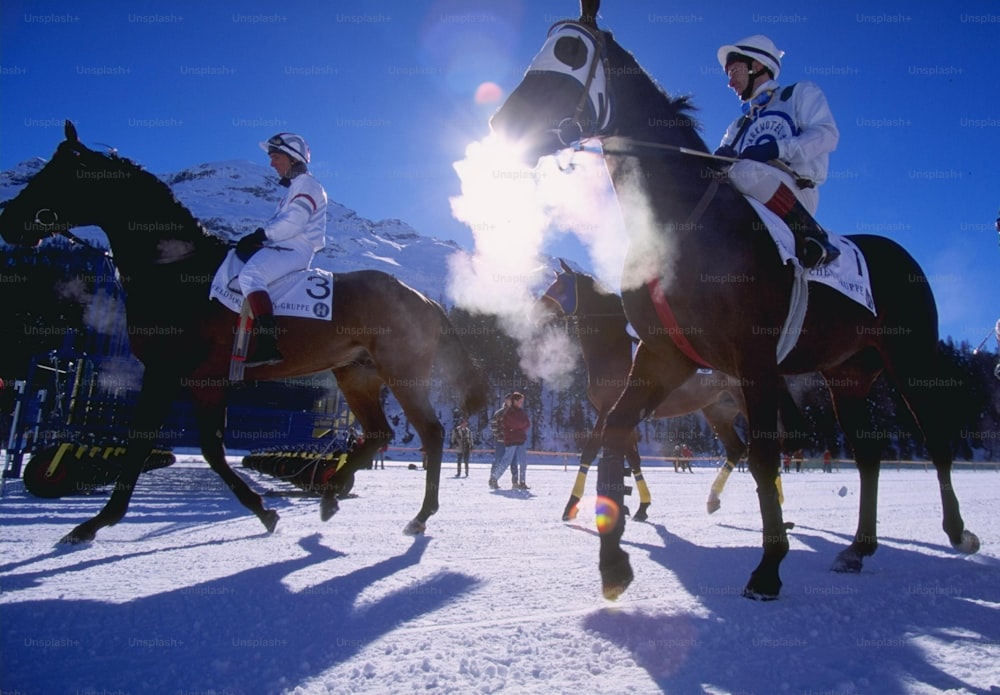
385, 93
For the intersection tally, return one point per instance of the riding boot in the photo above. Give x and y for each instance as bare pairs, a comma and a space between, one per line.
266, 347
812, 245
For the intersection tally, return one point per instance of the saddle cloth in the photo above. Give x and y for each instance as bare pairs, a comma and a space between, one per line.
304, 294
848, 274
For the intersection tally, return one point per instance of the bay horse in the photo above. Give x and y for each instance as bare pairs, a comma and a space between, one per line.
381, 332
703, 284
606, 348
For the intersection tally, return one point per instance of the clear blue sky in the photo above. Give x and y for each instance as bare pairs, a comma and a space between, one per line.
385, 92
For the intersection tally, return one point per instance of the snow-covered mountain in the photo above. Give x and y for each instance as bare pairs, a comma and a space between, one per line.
232, 198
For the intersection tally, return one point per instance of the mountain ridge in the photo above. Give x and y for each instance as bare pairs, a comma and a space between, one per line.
231, 198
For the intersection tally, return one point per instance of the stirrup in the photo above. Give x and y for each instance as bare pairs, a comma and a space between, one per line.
816, 253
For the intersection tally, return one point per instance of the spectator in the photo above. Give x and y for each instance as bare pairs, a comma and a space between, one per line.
496, 427
515, 424
461, 439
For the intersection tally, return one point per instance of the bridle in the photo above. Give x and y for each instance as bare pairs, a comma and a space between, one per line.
559, 54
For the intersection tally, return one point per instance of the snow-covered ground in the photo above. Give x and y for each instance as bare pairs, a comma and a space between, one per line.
188, 595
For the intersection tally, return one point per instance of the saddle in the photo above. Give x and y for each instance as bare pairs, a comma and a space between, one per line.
848, 274
304, 293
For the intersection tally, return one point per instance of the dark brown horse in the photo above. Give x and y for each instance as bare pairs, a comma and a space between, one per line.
606, 348
382, 331
687, 230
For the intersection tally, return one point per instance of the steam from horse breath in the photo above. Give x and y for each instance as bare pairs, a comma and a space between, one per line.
514, 214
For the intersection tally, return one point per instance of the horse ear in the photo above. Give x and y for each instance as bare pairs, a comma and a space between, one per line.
565, 266
70, 131
588, 12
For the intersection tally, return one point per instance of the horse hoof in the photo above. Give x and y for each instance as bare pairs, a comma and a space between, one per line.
270, 520
414, 528
848, 561
328, 506
77, 536
757, 596
616, 579
969, 543
640, 514
713, 505
763, 586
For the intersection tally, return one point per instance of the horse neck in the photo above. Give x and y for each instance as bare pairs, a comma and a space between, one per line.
646, 119
151, 232
602, 328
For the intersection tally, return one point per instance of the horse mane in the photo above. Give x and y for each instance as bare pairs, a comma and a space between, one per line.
659, 108
187, 219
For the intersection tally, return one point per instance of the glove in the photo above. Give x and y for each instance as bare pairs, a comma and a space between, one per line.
726, 151
250, 244
761, 153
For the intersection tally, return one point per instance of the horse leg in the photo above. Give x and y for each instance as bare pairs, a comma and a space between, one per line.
635, 465
928, 396
155, 397
411, 392
424, 420
650, 380
210, 414
720, 416
590, 448
850, 384
761, 392
362, 387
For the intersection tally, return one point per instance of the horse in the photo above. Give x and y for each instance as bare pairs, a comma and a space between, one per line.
606, 348
381, 332
703, 285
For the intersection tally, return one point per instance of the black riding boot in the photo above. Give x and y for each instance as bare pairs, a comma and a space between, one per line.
812, 245
266, 346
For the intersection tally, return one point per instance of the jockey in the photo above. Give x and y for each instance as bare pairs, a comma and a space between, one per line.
286, 243
791, 124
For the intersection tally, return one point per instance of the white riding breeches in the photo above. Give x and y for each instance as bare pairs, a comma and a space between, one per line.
268, 264
761, 181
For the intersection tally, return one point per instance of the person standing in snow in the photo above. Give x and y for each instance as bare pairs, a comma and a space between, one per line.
286, 243
496, 427
515, 434
793, 125
461, 439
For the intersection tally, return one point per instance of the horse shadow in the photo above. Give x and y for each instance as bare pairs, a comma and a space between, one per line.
823, 624
243, 633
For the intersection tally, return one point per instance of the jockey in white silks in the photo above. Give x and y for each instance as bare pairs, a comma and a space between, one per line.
286, 243
793, 125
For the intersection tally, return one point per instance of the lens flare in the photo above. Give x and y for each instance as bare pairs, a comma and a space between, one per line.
606, 512
488, 93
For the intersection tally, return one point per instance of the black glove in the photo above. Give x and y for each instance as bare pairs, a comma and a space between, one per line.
250, 244
761, 153
726, 151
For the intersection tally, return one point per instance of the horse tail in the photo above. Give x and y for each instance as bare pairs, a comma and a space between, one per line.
465, 375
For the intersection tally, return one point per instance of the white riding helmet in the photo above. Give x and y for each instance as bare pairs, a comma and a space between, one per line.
758, 47
291, 144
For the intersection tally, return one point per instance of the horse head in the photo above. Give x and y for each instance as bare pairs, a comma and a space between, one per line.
560, 299
563, 97
582, 84
57, 198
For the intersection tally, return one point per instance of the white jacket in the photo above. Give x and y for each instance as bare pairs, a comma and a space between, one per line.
300, 220
799, 120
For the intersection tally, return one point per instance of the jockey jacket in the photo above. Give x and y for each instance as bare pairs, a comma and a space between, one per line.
300, 220
798, 118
